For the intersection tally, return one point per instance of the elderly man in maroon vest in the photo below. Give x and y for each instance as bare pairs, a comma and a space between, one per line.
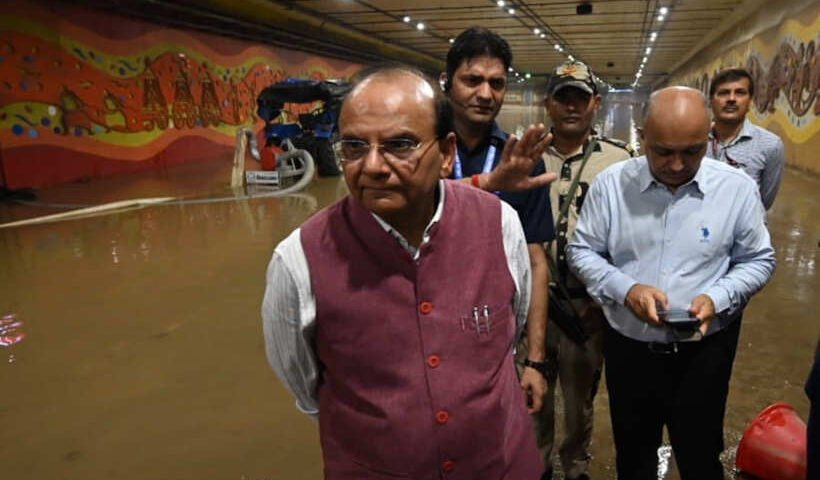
377, 324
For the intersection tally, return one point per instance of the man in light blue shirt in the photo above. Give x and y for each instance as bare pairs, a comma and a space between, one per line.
736, 141
671, 230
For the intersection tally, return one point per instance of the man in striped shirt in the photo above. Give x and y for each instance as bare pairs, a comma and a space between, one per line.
733, 139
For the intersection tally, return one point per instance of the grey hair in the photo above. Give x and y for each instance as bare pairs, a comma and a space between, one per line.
443, 110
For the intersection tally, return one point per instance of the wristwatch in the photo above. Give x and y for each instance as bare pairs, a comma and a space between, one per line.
544, 368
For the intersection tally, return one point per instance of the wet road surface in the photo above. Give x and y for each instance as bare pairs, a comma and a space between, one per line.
132, 348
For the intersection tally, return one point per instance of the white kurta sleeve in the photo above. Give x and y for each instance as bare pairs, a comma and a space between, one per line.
518, 261
288, 322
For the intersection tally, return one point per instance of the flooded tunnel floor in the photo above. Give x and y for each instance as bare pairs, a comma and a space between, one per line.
142, 353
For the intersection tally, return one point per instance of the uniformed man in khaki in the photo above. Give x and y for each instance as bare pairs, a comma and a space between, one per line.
574, 338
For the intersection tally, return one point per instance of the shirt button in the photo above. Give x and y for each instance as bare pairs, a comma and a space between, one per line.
433, 361
425, 308
442, 417
448, 466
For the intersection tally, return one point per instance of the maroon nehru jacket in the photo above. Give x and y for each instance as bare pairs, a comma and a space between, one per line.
409, 387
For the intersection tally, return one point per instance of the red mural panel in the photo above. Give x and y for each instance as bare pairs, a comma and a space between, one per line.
76, 103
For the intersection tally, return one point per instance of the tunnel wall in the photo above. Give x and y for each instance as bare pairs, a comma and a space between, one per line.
780, 45
85, 94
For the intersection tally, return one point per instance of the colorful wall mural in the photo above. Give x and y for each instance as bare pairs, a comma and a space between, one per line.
85, 94
785, 64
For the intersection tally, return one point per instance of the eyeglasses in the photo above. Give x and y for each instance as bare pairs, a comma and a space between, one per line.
401, 149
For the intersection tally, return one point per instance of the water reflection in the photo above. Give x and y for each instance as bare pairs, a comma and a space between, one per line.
664, 457
802, 261
621, 113
142, 334
11, 330
139, 234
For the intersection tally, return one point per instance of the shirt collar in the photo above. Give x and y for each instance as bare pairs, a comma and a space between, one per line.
495, 133
746, 129
745, 132
646, 180
699, 180
578, 153
413, 251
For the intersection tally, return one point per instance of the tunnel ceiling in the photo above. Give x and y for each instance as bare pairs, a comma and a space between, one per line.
616, 33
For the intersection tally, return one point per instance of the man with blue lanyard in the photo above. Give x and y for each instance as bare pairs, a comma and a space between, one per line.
475, 84
736, 141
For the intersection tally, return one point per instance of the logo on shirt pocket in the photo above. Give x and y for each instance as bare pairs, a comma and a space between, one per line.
705, 234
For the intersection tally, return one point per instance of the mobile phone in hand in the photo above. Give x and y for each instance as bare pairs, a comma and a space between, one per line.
679, 318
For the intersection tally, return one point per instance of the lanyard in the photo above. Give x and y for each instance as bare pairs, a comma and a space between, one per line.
488, 163
715, 144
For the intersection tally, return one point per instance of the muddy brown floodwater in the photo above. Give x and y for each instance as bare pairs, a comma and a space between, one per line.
131, 343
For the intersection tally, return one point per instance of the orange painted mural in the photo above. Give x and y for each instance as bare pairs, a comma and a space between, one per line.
784, 61
794, 73
86, 94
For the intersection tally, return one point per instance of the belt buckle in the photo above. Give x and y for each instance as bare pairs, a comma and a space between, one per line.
663, 348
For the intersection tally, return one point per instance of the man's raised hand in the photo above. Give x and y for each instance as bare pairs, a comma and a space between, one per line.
518, 159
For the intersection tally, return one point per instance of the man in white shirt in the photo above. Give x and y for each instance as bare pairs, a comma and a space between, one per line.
392, 314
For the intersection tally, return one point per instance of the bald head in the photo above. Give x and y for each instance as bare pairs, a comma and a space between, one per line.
423, 89
672, 104
675, 134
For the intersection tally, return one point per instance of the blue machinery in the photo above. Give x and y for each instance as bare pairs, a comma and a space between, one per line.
298, 145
